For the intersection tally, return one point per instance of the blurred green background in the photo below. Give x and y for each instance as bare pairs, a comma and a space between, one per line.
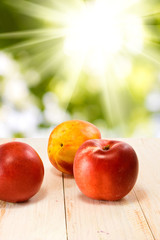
41, 86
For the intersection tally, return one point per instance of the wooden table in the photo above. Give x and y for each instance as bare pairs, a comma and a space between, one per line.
59, 211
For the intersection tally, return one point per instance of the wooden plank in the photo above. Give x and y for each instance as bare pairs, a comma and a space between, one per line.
148, 188
103, 220
100, 220
43, 216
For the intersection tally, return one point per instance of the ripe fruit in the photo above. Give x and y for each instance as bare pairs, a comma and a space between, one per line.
105, 169
65, 140
21, 172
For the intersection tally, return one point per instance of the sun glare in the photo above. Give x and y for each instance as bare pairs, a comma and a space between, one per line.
98, 38
99, 32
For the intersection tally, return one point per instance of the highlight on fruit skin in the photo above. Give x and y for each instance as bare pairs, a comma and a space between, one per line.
21, 172
65, 140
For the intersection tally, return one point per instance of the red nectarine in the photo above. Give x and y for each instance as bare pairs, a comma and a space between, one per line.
105, 169
21, 172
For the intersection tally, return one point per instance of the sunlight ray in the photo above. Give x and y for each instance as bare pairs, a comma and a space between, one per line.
148, 56
106, 98
153, 41
111, 99
148, 15
72, 80
37, 11
40, 56
29, 43
116, 103
44, 58
123, 6
151, 25
65, 6
32, 33
50, 65
45, 46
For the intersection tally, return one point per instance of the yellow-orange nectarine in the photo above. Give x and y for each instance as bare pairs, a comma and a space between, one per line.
65, 140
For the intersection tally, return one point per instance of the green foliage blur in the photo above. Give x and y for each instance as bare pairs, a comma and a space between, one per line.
38, 87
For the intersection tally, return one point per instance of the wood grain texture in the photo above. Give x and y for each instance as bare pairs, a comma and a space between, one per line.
59, 211
43, 216
103, 220
147, 188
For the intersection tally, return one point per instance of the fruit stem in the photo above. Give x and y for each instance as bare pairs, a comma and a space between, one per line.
106, 147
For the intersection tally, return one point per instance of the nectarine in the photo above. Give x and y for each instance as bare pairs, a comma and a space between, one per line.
21, 172
105, 169
65, 140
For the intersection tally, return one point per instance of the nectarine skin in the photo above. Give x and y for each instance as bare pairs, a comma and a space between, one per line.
21, 172
105, 169
65, 140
